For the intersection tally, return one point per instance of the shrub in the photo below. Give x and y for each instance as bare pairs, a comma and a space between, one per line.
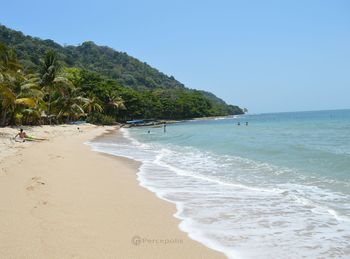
100, 119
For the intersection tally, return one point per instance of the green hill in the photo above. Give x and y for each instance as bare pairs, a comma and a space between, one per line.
100, 73
120, 66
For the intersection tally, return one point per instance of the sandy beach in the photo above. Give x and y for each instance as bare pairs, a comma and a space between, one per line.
59, 199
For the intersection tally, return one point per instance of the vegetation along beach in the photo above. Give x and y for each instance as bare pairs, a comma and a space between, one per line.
175, 129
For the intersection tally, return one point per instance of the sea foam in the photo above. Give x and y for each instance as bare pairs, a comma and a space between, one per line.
242, 207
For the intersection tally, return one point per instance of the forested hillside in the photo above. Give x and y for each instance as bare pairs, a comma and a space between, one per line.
44, 82
117, 65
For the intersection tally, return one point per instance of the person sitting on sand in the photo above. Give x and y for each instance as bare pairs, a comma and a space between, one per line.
23, 136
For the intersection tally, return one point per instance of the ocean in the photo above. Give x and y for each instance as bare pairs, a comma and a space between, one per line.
278, 187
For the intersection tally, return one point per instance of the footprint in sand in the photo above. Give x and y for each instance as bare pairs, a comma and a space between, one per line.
30, 188
36, 181
52, 156
40, 203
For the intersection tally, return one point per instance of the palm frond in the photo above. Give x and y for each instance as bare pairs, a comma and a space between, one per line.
28, 102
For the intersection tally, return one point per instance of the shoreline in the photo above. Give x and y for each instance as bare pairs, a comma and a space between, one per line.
58, 203
183, 222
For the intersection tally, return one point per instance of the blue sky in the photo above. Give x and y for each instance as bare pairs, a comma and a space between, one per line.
264, 55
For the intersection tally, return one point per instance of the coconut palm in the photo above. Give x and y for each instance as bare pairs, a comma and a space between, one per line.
7, 98
8, 60
10, 78
31, 89
70, 103
114, 102
48, 72
13, 104
92, 105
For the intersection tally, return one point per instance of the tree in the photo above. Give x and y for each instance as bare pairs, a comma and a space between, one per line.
10, 77
48, 71
90, 80
113, 104
70, 103
31, 90
92, 104
27, 100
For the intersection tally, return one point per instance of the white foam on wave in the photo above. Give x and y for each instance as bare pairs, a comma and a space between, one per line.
237, 219
337, 216
189, 173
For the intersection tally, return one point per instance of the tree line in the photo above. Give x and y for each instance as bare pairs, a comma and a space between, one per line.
52, 92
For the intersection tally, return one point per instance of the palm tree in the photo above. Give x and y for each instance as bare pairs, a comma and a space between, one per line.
70, 104
13, 104
92, 105
8, 60
114, 101
7, 98
48, 71
49, 68
31, 89
10, 76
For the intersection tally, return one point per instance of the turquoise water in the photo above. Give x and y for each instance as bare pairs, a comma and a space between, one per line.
277, 188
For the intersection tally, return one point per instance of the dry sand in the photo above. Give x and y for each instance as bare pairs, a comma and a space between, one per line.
58, 199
